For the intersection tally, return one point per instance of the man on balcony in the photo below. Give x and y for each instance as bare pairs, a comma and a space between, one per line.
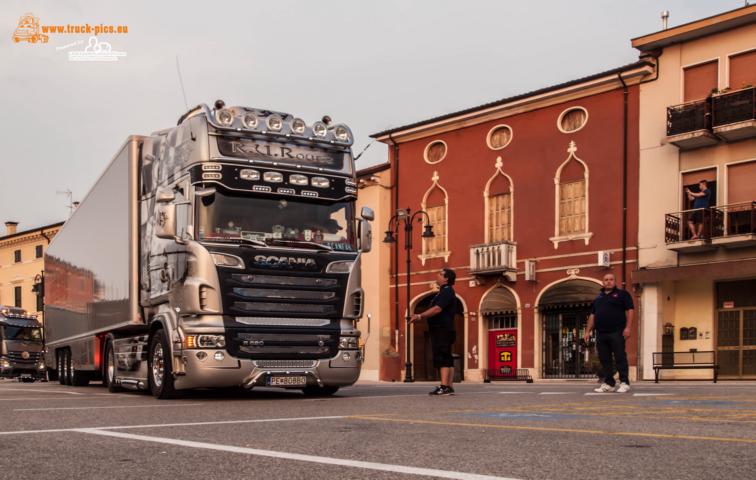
700, 200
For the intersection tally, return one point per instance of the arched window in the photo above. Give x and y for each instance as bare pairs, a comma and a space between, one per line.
571, 200
499, 204
436, 204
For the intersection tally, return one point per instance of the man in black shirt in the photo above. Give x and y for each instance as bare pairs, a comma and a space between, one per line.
441, 326
612, 317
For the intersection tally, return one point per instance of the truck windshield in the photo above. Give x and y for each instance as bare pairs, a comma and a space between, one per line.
276, 221
22, 333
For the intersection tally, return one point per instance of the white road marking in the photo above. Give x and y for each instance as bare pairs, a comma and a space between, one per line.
651, 394
186, 424
555, 393
512, 393
3, 389
384, 467
109, 406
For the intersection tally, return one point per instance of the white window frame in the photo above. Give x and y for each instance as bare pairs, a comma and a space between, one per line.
586, 234
445, 253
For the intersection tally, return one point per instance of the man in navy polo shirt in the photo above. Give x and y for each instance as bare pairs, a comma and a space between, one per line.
441, 328
612, 317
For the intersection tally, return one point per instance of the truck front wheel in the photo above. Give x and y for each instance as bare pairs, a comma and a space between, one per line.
160, 367
108, 374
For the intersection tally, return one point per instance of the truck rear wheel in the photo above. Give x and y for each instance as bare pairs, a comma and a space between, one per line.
160, 367
314, 391
108, 373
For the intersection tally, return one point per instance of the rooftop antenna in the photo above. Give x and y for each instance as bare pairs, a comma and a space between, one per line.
181, 83
665, 19
71, 204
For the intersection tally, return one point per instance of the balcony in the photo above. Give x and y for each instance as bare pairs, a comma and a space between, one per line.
498, 258
739, 226
729, 226
733, 114
689, 125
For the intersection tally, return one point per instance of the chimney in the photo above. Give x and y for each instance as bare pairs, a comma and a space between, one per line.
10, 227
665, 19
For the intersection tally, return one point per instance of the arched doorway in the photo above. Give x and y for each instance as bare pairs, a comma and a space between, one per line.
564, 308
499, 310
422, 357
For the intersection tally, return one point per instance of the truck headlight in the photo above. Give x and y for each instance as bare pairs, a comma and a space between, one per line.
348, 343
298, 179
228, 261
4, 363
205, 341
320, 182
41, 366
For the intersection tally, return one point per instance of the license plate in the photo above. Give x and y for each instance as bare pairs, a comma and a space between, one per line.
288, 381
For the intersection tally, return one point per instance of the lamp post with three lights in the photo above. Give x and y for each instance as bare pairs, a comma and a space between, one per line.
406, 217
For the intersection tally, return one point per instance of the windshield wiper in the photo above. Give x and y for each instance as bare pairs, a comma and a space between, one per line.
237, 241
300, 243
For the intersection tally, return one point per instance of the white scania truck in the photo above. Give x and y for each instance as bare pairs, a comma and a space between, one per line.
221, 252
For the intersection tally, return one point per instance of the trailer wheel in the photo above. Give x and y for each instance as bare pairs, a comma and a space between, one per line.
108, 374
160, 371
60, 365
67, 361
79, 378
314, 391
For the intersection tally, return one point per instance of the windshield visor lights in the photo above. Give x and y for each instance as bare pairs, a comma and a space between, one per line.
249, 120
298, 126
275, 123
249, 174
320, 182
273, 177
225, 117
319, 129
298, 179
341, 133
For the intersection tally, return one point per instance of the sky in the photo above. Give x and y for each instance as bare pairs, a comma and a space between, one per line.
370, 64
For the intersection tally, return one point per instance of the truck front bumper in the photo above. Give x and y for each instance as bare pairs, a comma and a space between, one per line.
207, 369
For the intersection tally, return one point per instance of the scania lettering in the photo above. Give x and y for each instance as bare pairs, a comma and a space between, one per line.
221, 252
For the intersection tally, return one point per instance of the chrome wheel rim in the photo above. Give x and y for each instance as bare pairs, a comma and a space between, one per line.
158, 366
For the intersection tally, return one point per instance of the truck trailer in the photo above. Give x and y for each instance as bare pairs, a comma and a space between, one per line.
222, 252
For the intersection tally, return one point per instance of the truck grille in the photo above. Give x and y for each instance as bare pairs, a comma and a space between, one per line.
17, 358
251, 294
286, 363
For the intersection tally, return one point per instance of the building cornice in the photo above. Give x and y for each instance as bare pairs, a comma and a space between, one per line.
600, 83
29, 235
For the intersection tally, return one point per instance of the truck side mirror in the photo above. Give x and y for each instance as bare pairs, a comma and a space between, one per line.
366, 236
165, 223
367, 213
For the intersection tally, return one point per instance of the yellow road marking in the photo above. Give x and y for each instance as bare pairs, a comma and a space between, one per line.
668, 436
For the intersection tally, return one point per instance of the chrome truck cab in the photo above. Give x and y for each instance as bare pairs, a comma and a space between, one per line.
250, 254
21, 345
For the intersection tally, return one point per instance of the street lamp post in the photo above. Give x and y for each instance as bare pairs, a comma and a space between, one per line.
407, 217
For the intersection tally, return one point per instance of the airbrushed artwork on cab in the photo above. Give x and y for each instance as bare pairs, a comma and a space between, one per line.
164, 158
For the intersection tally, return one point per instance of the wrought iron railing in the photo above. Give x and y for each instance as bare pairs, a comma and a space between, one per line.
734, 107
688, 117
716, 222
493, 257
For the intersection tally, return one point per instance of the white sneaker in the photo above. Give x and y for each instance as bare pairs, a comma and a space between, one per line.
623, 388
604, 388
